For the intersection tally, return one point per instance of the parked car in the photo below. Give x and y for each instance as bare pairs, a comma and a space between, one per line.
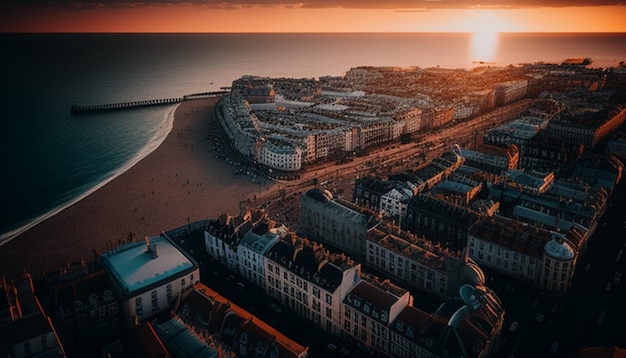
275, 308
601, 318
554, 347
539, 317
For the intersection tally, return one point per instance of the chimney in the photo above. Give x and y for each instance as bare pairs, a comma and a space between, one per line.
155, 251
148, 248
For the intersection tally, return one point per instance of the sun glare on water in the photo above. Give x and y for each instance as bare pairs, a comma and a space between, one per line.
485, 38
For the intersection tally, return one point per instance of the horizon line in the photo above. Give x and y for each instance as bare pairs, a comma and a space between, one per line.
304, 32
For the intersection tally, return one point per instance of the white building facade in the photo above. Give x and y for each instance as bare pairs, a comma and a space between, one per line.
149, 276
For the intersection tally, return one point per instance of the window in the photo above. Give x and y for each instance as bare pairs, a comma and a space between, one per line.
329, 299
155, 301
329, 313
169, 292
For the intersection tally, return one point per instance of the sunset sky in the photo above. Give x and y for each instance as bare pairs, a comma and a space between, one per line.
312, 16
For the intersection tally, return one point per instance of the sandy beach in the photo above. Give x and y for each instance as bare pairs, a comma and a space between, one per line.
180, 181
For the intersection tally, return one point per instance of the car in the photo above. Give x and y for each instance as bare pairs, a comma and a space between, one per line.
241, 285
540, 317
513, 326
601, 318
617, 280
275, 308
344, 351
554, 347
331, 346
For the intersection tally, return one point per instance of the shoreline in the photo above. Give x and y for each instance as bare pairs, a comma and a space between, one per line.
180, 181
151, 146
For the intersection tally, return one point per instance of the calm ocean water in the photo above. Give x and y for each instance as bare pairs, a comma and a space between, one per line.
50, 158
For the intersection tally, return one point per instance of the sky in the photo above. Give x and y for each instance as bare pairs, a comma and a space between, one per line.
246, 16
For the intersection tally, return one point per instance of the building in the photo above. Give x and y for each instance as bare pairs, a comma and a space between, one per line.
86, 314
587, 125
528, 253
25, 329
179, 341
474, 323
492, 159
369, 308
393, 204
310, 280
381, 316
229, 328
420, 264
148, 276
241, 242
280, 156
252, 250
439, 221
510, 91
336, 223
368, 191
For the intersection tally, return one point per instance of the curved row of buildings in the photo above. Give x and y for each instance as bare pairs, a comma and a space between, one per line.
283, 124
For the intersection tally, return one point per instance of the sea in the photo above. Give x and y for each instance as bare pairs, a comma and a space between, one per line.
50, 158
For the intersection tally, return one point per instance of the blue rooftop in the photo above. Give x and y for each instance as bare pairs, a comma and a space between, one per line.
135, 265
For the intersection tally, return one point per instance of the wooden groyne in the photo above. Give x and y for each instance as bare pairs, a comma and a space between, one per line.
77, 109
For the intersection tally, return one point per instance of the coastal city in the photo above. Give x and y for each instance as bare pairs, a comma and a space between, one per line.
397, 212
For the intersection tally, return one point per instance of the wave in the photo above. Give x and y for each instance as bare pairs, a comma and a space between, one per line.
159, 136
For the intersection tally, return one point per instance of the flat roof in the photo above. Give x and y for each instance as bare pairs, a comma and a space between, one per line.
133, 268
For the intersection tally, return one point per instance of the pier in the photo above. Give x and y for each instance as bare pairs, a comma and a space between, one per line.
77, 109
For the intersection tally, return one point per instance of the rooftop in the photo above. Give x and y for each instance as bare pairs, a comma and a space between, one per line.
137, 265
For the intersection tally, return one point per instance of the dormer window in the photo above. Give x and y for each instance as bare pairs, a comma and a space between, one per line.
273, 351
243, 345
259, 349
400, 326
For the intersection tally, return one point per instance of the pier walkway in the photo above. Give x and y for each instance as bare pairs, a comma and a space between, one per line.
77, 109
